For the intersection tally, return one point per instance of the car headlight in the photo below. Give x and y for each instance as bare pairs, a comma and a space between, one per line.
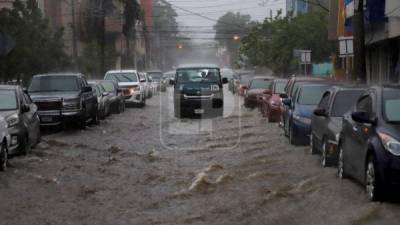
72, 104
337, 137
12, 120
391, 145
302, 119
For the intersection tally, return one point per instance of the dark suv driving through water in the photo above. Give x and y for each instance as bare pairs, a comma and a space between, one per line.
198, 91
62, 97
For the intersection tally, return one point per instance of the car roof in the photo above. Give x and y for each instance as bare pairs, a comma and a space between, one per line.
122, 71
262, 77
337, 88
188, 66
154, 71
60, 74
8, 87
310, 78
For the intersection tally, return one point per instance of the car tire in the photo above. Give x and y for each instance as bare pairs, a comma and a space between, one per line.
313, 148
324, 157
3, 156
95, 117
292, 139
143, 103
341, 173
25, 147
373, 185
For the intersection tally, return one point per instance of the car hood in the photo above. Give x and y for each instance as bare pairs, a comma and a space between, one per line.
128, 84
392, 129
305, 110
57, 94
255, 91
8, 113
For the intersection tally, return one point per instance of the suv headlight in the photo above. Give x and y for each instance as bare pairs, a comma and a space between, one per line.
72, 104
391, 145
12, 120
302, 119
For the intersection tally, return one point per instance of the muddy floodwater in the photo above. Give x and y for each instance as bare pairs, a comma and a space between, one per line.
145, 167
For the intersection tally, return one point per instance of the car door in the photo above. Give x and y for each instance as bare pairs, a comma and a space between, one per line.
319, 123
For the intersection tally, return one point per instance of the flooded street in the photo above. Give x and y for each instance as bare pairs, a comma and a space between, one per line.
145, 167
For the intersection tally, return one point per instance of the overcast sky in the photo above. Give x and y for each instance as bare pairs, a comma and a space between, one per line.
216, 8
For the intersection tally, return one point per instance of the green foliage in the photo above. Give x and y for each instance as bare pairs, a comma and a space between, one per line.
39, 47
271, 44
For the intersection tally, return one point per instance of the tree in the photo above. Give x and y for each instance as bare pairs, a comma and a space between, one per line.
271, 44
39, 47
229, 29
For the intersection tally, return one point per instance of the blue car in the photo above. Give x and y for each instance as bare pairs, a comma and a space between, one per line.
301, 108
369, 144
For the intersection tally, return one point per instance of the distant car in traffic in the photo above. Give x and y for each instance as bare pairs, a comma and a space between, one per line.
156, 77
146, 85
369, 145
198, 90
257, 86
21, 115
270, 104
129, 82
5, 140
62, 98
301, 106
326, 121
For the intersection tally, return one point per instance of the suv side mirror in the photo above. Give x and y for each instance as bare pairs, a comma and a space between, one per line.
172, 82
283, 95
363, 117
320, 112
25, 108
87, 89
224, 80
25, 91
287, 102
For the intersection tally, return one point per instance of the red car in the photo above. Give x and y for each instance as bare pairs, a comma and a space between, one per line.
270, 101
257, 86
241, 84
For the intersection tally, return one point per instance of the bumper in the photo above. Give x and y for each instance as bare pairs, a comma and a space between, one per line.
15, 141
56, 117
200, 106
301, 132
135, 98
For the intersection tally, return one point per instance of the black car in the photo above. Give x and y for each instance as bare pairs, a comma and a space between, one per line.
114, 96
22, 119
64, 97
326, 122
369, 145
198, 91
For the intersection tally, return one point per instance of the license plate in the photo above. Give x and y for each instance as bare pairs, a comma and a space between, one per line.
199, 111
47, 119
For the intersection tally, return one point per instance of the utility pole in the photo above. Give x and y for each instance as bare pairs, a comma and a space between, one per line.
74, 36
359, 71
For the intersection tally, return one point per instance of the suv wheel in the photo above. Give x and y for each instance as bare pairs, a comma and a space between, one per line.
372, 184
341, 173
292, 139
25, 147
95, 117
324, 160
3, 156
313, 148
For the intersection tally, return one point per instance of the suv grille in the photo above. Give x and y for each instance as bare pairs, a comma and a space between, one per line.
48, 105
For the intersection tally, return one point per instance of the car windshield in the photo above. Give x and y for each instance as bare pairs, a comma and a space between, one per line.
108, 86
8, 100
122, 77
260, 84
280, 87
197, 75
343, 102
155, 75
311, 95
54, 83
391, 106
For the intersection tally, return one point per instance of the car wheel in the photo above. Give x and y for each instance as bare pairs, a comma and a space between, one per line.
118, 109
3, 156
82, 123
313, 147
25, 147
292, 138
341, 173
372, 184
95, 117
324, 160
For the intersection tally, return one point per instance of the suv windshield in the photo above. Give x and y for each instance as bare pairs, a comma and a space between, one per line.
311, 95
8, 100
122, 77
260, 84
54, 83
343, 102
197, 75
391, 105
280, 87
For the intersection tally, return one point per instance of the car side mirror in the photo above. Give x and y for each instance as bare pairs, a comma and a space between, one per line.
224, 80
287, 102
25, 108
87, 89
172, 82
142, 80
320, 112
283, 95
25, 91
267, 92
105, 94
363, 117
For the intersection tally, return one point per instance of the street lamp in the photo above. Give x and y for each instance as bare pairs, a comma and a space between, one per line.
236, 37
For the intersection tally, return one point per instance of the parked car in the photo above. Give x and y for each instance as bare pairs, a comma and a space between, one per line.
21, 115
270, 104
128, 81
156, 76
114, 96
198, 91
301, 106
257, 86
290, 90
369, 144
326, 121
5, 140
103, 102
242, 84
146, 85
63, 97
170, 77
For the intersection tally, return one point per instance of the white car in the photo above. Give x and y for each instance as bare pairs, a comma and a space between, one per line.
5, 144
131, 85
144, 80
